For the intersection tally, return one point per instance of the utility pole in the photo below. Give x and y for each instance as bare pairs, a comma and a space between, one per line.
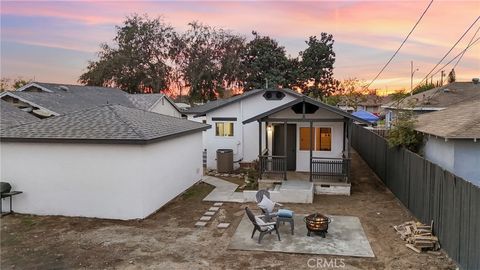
412, 72
441, 78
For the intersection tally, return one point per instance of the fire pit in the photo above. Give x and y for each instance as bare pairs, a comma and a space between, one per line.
317, 223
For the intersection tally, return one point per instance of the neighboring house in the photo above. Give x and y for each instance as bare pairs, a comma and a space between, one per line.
109, 161
50, 99
157, 103
369, 103
452, 139
284, 130
12, 116
432, 100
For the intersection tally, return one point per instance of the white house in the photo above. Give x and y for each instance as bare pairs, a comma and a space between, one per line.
109, 161
452, 139
284, 130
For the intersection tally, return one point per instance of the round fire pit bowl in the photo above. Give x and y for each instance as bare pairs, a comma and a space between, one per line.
317, 224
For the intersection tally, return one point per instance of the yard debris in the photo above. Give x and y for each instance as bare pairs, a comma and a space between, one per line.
418, 236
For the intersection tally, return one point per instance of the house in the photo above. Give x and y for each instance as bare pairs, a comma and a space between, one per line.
369, 103
282, 129
50, 99
452, 139
432, 100
157, 103
108, 161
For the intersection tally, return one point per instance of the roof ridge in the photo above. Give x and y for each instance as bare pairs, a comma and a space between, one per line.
126, 122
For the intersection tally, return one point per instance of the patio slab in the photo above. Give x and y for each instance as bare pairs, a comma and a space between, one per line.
345, 237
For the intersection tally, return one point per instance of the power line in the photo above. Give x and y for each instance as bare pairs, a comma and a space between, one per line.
454, 45
467, 47
401, 45
460, 54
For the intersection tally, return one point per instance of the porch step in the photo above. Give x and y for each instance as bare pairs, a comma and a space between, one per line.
332, 188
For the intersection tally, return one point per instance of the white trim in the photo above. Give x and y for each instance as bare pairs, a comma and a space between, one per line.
10, 94
34, 85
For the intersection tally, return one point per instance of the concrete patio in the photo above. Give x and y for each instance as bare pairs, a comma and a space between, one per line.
345, 237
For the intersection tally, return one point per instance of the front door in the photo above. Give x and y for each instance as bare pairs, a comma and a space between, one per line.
279, 146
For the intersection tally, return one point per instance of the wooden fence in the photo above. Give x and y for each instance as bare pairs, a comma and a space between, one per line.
430, 193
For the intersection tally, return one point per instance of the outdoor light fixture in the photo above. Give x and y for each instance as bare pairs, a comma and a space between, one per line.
269, 128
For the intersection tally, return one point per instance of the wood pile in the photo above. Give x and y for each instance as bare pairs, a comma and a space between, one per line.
418, 236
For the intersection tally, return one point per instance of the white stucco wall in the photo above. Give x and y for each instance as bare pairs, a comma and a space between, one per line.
100, 180
441, 152
245, 140
166, 108
467, 160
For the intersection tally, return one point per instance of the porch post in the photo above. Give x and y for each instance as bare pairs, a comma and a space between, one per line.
311, 150
344, 133
285, 150
260, 169
259, 138
266, 136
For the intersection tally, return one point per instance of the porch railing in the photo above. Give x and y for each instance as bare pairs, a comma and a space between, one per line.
330, 168
273, 165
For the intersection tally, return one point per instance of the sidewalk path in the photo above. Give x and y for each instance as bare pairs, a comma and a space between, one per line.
224, 191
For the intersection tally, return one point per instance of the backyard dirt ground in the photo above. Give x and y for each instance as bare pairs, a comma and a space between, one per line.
169, 240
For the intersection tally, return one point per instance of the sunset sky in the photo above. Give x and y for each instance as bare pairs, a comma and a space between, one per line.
52, 41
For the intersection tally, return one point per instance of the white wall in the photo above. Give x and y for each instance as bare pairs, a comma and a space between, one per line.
303, 157
99, 180
166, 108
245, 140
438, 151
467, 160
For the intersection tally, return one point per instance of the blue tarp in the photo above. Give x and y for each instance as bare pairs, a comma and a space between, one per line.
367, 116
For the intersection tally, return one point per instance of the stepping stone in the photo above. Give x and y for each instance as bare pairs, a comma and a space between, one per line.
214, 209
200, 224
223, 225
218, 204
205, 218
209, 213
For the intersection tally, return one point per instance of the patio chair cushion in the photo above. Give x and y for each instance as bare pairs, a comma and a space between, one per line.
261, 223
285, 213
266, 204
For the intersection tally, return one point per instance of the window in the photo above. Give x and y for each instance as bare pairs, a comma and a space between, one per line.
305, 139
224, 129
322, 139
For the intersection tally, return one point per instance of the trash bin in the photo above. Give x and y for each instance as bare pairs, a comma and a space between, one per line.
224, 160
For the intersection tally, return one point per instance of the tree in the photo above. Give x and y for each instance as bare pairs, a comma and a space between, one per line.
18, 82
317, 65
209, 60
138, 61
451, 76
351, 93
265, 62
403, 132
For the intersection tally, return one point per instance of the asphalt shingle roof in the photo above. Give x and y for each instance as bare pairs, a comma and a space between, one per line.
108, 124
12, 116
439, 97
74, 97
145, 101
459, 121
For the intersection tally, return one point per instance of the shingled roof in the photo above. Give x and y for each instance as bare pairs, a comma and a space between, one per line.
460, 121
147, 101
438, 98
13, 116
104, 124
66, 98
